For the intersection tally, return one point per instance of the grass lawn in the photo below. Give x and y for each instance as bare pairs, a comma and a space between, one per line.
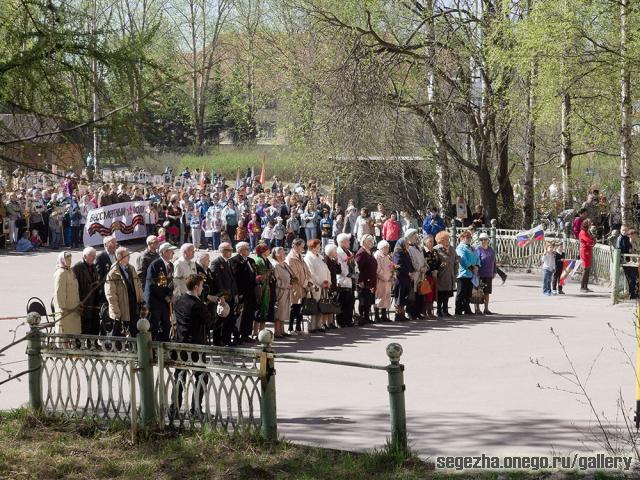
44, 447
281, 161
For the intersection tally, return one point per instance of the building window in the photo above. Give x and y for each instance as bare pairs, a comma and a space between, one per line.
267, 130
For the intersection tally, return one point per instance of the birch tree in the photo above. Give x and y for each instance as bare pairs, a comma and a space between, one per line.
199, 25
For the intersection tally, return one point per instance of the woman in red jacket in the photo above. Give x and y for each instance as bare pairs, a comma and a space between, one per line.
586, 253
391, 231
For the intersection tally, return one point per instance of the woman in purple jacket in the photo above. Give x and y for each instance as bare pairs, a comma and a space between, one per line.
368, 277
487, 270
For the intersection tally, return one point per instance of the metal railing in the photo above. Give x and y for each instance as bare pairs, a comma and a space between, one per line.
620, 262
509, 254
185, 386
86, 377
199, 385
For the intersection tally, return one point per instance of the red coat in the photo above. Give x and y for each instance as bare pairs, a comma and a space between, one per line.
391, 230
586, 248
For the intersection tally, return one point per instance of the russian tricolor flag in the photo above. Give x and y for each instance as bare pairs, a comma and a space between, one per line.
569, 269
524, 238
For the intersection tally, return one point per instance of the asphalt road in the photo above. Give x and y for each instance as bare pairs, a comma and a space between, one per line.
471, 386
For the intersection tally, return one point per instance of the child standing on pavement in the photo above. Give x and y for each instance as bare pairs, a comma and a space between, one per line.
559, 255
548, 267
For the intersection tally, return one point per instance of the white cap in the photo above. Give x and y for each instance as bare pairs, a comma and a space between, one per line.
166, 246
483, 236
410, 232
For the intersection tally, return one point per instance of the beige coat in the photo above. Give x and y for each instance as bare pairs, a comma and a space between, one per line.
283, 293
66, 299
301, 277
115, 289
384, 280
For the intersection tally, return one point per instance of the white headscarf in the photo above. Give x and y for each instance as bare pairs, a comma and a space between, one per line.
61, 262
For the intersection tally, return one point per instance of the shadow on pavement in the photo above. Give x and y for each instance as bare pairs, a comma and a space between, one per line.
351, 337
448, 433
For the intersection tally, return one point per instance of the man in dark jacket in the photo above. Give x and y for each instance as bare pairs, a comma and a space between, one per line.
88, 285
158, 293
625, 247
191, 313
225, 286
192, 317
243, 268
148, 256
104, 262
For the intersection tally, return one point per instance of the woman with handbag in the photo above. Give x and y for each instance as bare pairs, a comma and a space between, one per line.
486, 272
468, 266
428, 287
404, 279
416, 298
320, 278
384, 281
300, 282
265, 284
333, 264
446, 281
367, 279
282, 274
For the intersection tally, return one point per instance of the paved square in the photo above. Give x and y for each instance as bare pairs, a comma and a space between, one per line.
471, 387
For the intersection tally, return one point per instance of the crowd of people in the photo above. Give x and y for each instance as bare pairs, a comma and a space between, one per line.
194, 208
278, 254
275, 254
240, 293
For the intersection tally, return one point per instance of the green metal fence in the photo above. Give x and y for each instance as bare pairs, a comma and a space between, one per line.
509, 254
164, 384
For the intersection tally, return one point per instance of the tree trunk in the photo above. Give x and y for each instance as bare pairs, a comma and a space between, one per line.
530, 154
433, 92
625, 107
566, 155
487, 195
504, 182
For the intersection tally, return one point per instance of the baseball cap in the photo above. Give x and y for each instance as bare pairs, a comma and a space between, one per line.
166, 246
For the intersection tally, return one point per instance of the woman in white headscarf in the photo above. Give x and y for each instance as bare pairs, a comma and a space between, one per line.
66, 296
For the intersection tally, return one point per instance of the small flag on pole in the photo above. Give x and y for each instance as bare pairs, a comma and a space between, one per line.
262, 173
238, 180
533, 235
569, 269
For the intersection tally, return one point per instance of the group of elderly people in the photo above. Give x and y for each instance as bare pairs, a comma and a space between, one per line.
243, 292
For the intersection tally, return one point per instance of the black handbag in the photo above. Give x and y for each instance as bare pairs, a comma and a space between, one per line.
309, 305
328, 304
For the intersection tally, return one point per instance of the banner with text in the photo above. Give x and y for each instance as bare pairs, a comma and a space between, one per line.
124, 220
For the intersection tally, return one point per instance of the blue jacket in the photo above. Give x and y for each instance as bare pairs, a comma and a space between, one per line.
435, 228
468, 259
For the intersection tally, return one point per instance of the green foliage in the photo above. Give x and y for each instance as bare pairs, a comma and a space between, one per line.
239, 117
